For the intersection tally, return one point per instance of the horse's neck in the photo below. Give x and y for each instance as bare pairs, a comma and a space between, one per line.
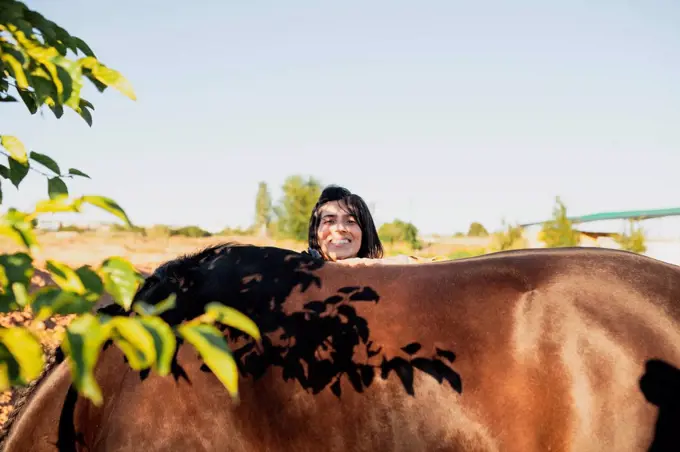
47, 400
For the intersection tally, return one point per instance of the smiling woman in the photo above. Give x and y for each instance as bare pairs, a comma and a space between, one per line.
341, 227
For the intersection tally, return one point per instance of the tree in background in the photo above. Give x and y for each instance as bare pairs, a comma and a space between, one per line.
42, 64
559, 232
399, 231
477, 230
296, 205
508, 238
632, 238
263, 208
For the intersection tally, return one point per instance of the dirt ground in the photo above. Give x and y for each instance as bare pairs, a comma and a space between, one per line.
145, 253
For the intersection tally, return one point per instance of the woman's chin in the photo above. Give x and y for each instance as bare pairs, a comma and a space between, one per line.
341, 254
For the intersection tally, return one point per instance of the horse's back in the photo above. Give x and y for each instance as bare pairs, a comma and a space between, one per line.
551, 345
546, 352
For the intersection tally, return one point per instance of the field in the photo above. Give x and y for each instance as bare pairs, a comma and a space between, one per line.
146, 253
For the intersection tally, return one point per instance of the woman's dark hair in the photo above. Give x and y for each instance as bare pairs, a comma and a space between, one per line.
355, 206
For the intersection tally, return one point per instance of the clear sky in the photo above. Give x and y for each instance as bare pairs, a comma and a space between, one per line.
437, 112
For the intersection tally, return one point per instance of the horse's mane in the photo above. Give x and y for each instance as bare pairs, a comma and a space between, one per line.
209, 252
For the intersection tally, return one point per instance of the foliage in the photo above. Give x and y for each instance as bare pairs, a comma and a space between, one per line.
34, 58
399, 231
237, 231
263, 207
158, 231
295, 207
508, 238
633, 238
124, 228
34, 62
462, 254
558, 232
477, 230
71, 228
190, 231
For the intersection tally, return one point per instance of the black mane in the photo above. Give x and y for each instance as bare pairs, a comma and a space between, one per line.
238, 275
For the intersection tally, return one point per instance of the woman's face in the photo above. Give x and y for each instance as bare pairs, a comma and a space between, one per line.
339, 234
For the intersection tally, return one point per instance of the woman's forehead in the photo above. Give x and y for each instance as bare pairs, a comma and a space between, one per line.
335, 208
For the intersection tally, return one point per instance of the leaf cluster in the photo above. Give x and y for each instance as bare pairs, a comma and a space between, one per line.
42, 64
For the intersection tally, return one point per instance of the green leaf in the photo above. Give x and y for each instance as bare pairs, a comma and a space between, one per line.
76, 74
101, 87
20, 294
109, 205
56, 187
17, 171
8, 303
82, 343
77, 172
109, 77
58, 110
15, 147
26, 351
16, 225
92, 282
61, 203
164, 342
134, 340
46, 161
7, 98
144, 308
9, 368
16, 68
83, 46
86, 103
43, 87
65, 277
43, 55
17, 267
49, 301
85, 113
4, 171
64, 78
231, 317
30, 100
121, 280
215, 352
4, 279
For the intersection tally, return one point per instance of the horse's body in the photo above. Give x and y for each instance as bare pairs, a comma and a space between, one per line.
550, 347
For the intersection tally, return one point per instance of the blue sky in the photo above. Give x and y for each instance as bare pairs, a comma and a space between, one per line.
437, 112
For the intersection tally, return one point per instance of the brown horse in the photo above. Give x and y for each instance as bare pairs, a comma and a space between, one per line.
533, 350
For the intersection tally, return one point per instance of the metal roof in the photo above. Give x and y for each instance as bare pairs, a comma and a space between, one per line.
621, 215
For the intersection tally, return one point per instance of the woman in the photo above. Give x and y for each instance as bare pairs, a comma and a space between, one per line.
341, 229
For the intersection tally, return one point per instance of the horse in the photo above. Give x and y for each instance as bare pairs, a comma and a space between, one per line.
568, 349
